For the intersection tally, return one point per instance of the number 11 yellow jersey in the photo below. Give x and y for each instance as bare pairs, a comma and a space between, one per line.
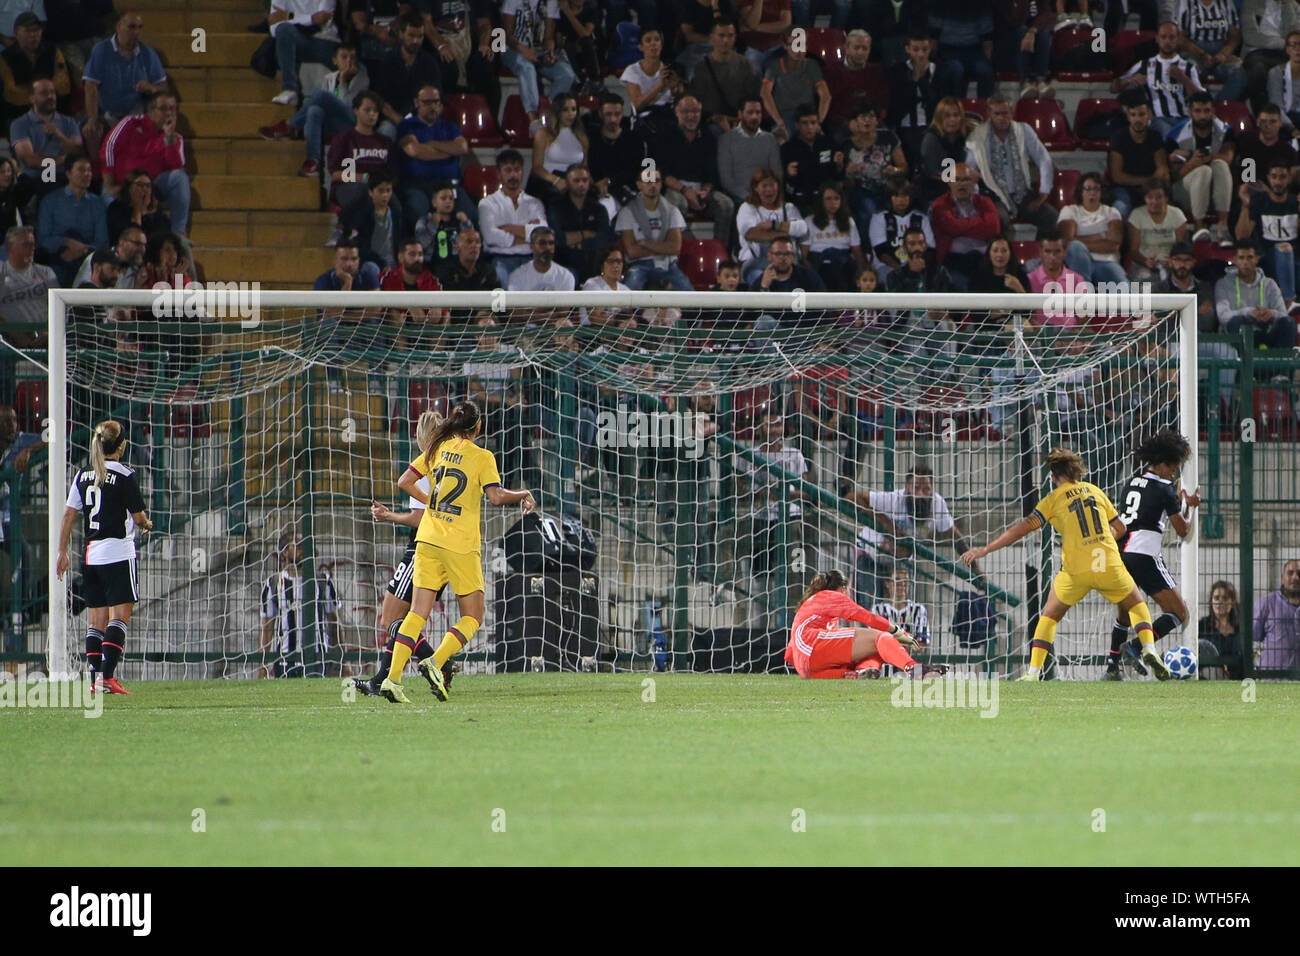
1082, 514
462, 470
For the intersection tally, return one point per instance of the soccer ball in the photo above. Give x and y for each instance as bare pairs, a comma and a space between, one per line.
1181, 663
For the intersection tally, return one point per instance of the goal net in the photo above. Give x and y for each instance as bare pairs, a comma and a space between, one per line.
697, 458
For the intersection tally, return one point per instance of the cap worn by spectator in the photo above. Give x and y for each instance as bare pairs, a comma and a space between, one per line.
1181, 249
28, 19
105, 256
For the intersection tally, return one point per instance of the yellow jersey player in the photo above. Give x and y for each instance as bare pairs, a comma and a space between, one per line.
1090, 559
448, 541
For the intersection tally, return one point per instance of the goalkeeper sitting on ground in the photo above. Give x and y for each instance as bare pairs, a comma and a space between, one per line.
819, 647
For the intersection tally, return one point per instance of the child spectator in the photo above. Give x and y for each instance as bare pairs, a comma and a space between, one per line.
438, 228
356, 153
809, 159
890, 225
375, 224
326, 111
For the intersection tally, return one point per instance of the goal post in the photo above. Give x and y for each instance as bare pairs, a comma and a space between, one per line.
253, 414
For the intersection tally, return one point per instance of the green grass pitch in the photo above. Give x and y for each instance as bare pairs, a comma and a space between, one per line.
561, 769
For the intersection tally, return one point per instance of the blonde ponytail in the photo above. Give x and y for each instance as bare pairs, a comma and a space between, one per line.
108, 438
429, 421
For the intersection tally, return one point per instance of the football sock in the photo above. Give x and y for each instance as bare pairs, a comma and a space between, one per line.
1141, 618
407, 636
114, 643
386, 659
1118, 635
423, 651
1165, 623
1044, 637
460, 634
94, 651
891, 652
869, 663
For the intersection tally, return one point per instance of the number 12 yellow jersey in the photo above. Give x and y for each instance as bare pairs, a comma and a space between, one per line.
462, 470
1082, 514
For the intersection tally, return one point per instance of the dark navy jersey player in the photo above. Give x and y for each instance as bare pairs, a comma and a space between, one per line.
1151, 500
107, 499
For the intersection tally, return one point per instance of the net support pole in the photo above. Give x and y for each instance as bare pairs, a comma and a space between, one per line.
1188, 381
1246, 557
56, 648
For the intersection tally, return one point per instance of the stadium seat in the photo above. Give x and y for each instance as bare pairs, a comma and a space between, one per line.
1086, 109
1124, 48
1062, 194
481, 180
1275, 414
976, 107
589, 104
30, 404
474, 115
826, 43
187, 418
1048, 121
1211, 250
699, 259
514, 121
1068, 39
747, 406
1236, 114
1025, 249
421, 396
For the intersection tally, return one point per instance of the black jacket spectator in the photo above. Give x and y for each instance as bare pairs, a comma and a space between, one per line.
933, 278
801, 277
455, 277
119, 217
564, 217
816, 165
696, 161
619, 161
358, 223
397, 83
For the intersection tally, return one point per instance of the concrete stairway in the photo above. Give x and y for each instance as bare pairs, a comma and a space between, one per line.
254, 218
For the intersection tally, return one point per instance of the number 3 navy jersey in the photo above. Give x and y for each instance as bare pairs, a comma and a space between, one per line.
106, 512
1144, 506
462, 471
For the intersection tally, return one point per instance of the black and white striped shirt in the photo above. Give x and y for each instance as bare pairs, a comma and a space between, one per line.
282, 601
912, 616
1168, 97
1207, 24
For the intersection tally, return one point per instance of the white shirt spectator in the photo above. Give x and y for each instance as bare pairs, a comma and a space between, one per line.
555, 279
1093, 224
660, 221
764, 483
498, 210
644, 81
301, 11
911, 615
832, 237
893, 505
597, 284
749, 216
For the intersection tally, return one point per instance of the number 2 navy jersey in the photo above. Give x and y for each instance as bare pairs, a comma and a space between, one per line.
106, 512
1144, 506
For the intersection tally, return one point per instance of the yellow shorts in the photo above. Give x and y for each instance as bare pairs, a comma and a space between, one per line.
435, 566
1114, 584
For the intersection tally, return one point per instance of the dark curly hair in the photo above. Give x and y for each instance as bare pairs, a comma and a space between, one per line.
1165, 447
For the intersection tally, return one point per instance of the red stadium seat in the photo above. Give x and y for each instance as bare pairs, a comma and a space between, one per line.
1087, 109
1062, 194
747, 408
976, 107
474, 115
514, 121
1025, 249
1123, 48
1211, 250
588, 104
1068, 39
1236, 114
421, 396
185, 417
481, 180
1275, 414
699, 259
30, 404
1048, 121
826, 43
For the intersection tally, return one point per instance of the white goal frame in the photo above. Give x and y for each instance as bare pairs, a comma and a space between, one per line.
60, 300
